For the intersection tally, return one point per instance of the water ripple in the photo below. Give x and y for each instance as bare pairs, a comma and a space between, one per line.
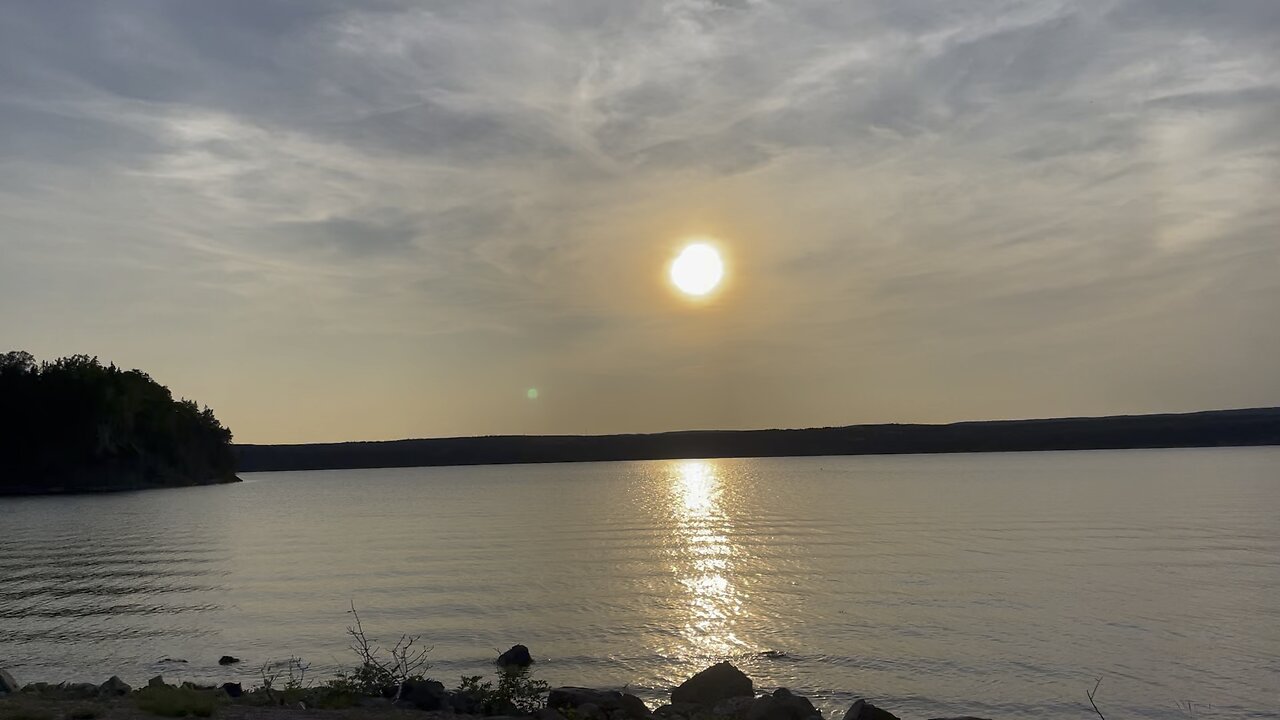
988, 585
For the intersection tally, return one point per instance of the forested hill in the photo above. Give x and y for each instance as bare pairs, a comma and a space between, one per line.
1216, 428
75, 425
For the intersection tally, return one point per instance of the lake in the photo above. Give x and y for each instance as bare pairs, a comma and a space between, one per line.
997, 585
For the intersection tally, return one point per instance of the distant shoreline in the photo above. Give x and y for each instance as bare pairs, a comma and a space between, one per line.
1214, 428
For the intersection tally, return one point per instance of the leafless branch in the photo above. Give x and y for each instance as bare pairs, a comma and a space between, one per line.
1093, 692
268, 679
405, 660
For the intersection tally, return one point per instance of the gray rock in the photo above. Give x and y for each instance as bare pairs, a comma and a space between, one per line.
634, 707
195, 686
608, 702
782, 705
114, 686
712, 685
517, 656
39, 688
233, 689
228, 660
78, 691
589, 711
572, 697
863, 710
424, 694
734, 708
157, 681
7, 683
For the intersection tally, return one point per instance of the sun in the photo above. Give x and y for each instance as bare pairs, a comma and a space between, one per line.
697, 270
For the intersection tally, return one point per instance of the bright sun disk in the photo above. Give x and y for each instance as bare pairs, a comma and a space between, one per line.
697, 270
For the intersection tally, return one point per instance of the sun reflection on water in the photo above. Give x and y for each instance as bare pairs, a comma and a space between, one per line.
706, 562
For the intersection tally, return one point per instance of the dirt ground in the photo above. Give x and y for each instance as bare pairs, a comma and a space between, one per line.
23, 706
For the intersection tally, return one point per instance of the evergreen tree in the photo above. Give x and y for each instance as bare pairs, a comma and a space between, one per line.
73, 424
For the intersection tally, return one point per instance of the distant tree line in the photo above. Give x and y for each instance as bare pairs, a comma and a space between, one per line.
1255, 426
74, 424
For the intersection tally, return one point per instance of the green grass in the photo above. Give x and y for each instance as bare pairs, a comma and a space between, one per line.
174, 702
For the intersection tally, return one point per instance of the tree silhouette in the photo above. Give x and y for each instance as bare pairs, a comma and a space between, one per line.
73, 424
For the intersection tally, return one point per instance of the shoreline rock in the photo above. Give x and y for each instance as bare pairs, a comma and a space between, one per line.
863, 710
720, 692
7, 683
718, 682
115, 686
517, 657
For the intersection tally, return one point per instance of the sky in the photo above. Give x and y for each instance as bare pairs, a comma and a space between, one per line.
372, 220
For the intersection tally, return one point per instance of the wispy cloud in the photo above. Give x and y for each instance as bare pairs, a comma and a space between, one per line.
932, 211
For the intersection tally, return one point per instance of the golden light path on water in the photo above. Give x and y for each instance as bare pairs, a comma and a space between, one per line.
706, 564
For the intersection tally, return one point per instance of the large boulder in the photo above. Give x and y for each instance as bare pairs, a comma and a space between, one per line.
609, 702
424, 694
234, 690
712, 685
114, 686
863, 710
517, 657
782, 705
572, 697
228, 660
7, 683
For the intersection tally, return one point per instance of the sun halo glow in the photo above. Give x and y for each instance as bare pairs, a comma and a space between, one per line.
697, 270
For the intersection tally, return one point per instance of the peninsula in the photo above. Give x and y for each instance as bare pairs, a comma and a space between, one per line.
75, 425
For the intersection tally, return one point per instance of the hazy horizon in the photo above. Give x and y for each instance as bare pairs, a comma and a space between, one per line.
359, 221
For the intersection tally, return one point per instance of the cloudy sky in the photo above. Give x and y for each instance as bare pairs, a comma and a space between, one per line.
333, 220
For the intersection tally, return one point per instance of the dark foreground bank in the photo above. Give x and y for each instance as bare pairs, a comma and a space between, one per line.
1220, 428
721, 692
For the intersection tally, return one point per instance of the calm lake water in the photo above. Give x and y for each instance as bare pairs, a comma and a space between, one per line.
997, 585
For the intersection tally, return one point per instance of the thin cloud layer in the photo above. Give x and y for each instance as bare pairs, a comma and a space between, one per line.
334, 221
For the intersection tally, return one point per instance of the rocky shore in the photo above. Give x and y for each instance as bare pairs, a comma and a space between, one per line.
720, 692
